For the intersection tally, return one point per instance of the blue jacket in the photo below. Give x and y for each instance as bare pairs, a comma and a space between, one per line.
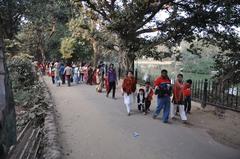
112, 76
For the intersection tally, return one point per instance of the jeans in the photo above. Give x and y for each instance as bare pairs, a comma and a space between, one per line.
68, 80
63, 78
147, 105
163, 103
112, 86
187, 104
53, 79
57, 80
76, 79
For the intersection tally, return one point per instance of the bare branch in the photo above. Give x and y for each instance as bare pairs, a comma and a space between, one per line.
101, 11
160, 6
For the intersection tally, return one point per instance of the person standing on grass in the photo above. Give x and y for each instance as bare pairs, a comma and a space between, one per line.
163, 89
178, 99
187, 96
68, 73
128, 89
112, 80
148, 97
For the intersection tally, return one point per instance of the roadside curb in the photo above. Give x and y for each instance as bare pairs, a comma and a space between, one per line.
51, 148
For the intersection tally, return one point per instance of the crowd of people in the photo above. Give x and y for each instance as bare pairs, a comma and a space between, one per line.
172, 98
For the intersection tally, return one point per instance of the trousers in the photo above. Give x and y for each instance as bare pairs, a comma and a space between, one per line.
163, 103
112, 86
181, 111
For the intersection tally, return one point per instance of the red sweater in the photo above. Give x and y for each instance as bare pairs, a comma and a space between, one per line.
178, 92
129, 85
187, 90
159, 80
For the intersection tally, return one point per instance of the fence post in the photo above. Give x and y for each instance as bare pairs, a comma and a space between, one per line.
119, 73
204, 100
136, 74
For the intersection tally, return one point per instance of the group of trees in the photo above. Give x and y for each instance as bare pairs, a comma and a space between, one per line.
212, 21
129, 29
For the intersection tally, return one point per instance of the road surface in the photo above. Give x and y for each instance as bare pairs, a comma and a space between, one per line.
95, 127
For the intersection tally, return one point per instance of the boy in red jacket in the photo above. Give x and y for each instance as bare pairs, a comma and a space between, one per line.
187, 96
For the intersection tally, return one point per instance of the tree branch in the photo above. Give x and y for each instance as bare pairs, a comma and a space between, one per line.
153, 14
101, 11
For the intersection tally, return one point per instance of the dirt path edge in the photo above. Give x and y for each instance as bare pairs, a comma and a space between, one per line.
51, 148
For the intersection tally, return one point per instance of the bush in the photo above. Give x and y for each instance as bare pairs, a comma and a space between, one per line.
21, 71
24, 80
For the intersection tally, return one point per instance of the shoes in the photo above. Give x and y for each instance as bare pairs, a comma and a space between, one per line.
166, 122
145, 113
129, 114
185, 122
154, 117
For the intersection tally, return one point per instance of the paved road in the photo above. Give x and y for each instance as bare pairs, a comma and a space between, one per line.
95, 127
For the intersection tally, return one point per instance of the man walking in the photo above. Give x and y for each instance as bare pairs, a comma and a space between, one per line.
68, 73
112, 79
162, 86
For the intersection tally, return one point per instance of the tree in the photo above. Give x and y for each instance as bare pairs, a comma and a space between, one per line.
214, 21
228, 67
75, 49
13, 13
10, 13
83, 27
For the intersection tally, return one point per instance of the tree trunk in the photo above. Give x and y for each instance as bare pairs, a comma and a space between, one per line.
42, 51
7, 109
129, 61
95, 52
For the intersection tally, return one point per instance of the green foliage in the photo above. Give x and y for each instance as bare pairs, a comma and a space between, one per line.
24, 80
54, 43
194, 64
228, 66
68, 47
75, 49
211, 21
21, 71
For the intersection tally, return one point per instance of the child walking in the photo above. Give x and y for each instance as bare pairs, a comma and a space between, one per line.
178, 99
148, 97
187, 96
141, 99
128, 88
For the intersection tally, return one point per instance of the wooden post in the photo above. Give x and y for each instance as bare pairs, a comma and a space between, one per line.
136, 74
204, 101
7, 109
119, 72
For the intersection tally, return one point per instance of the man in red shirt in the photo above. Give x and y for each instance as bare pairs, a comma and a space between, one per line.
162, 86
